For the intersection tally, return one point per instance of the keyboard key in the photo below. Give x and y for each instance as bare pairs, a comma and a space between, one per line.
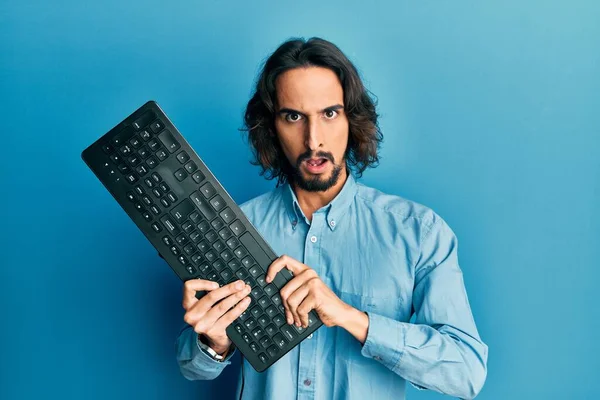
190, 269
167, 240
210, 256
162, 155
261, 281
240, 252
211, 236
250, 324
288, 332
174, 250
107, 148
226, 256
263, 320
279, 340
188, 227
206, 210
208, 190
164, 187
195, 217
131, 178
145, 135
273, 351
134, 160
197, 258
217, 203
217, 224
247, 338
154, 145
227, 275
256, 312
155, 210
258, 333
172, 198
270, 289
263, 357
141, 170
165, 202
182, 260
264, 302
271, 311
135, 142
183, 157
170, 225
219, 246
198, 176
238, 228
181, 239
242, 274
152, 162
195, 236
143, 120
279, 320
225, 233
115, 158
139, 190
125, 150
156, 192
227, 215
190, 167
156, 227
144, 152
219, 265
157, 126
266, 341
189, 249
147, 216
254, 347
203, 246
131, 196
147, 200
234, 265
255, 271
180, 174
204, 227
168, 140
233, 243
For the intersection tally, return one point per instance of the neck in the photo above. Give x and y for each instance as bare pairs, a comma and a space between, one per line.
310, 202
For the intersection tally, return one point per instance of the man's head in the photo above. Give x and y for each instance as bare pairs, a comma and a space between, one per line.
311, 116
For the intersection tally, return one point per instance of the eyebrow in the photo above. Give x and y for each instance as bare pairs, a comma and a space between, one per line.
335, 107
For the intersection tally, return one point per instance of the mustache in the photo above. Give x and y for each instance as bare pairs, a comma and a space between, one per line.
308, 155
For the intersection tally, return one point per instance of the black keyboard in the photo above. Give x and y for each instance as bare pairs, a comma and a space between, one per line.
196, 227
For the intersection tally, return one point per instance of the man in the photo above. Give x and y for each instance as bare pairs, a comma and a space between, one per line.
364, 260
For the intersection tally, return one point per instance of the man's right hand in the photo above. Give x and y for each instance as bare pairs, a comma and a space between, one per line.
209, 318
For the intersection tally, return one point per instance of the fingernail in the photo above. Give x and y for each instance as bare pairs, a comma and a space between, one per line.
239, 284
215, 285
290, 321
268, 279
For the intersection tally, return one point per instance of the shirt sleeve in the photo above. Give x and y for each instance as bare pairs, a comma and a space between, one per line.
194, 363
441, 350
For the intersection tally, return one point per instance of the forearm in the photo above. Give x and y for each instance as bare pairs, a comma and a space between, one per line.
193, 362
444, 359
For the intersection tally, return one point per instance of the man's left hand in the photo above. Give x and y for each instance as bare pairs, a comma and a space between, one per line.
306, 292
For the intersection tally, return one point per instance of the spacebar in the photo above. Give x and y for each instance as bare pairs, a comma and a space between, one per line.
261, 257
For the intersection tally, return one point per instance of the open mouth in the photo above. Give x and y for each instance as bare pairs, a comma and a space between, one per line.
316, 163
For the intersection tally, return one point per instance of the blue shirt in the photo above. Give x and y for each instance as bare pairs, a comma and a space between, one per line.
381, 254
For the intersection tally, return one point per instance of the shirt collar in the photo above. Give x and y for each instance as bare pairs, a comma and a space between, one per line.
334, 211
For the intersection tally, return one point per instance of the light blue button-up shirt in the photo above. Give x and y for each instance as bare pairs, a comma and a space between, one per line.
381, 254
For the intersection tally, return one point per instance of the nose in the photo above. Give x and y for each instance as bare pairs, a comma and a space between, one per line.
313, 134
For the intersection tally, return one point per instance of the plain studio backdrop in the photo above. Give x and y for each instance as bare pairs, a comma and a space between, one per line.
490, 117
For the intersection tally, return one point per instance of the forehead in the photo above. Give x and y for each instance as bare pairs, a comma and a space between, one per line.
308, 89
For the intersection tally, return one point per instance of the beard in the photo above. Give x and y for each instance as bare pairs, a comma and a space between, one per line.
315, 183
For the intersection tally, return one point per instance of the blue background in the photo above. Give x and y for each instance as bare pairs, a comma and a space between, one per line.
490, 116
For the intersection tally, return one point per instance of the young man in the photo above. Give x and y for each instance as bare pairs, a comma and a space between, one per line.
364, 260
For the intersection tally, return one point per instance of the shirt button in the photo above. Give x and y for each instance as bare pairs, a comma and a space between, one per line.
313, 239
307, 382
377, 358
309, 336
332, 223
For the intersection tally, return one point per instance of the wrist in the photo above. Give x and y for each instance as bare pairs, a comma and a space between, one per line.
217, 348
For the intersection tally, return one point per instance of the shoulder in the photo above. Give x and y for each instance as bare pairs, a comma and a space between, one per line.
397, 208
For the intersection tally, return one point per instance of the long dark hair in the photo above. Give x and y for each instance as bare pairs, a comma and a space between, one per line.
259, 118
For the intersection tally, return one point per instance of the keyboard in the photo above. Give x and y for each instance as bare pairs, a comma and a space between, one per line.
195, 226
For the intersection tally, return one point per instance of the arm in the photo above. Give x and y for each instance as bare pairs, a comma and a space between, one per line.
194, 363
442, 350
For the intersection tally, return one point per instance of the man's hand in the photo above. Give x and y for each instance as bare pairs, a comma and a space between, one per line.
212, 314
306, 292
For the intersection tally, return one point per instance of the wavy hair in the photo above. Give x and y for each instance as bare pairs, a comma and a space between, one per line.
259, 118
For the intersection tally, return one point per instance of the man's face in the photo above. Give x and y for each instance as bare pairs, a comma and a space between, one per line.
312, 126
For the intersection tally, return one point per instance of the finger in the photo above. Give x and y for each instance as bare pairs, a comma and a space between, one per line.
206, 303
232, 314
190, 287
294, 300
304, 308
284, 261
224, 305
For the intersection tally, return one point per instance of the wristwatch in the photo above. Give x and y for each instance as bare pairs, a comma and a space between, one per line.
209, 351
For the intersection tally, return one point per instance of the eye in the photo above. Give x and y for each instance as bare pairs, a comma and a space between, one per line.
330, 114
293, 117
